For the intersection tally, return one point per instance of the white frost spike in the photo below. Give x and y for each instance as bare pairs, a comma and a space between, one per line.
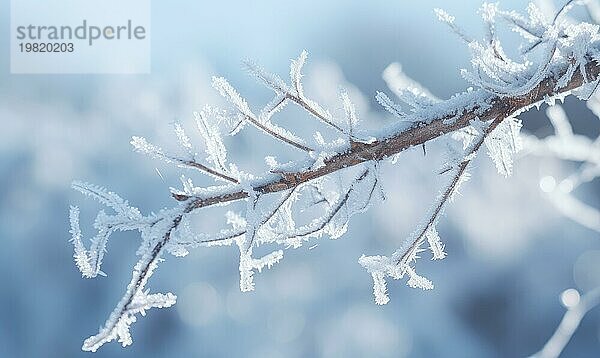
381, 266
80, 254
350, 111
488, 13
271, 162
406, 89
227, 91
108, 198
126, 218
215, 149
118, 323
466, 136
246, 273
177, 250
248, 264
268, 79
268, 260
435, 244
465, 177
141, 145
389, 105
183, 139
443, 16
399, 82
379, 288
235, 220
272, 107
503, 143
416, 281
300, 99
143, 301
296, 73
377, 266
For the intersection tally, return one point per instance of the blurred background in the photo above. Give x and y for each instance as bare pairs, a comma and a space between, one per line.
511, 253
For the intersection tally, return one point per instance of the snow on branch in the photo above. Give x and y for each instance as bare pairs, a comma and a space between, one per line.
554, 41
141, 145
227, 91
126, 218
339, 178
294, 92
400, 262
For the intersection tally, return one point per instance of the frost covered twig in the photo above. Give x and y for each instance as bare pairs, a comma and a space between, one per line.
141, 145
246, 115
294, 93
273, 199
399, 263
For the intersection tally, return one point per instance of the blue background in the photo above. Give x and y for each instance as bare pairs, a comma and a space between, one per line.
510, 253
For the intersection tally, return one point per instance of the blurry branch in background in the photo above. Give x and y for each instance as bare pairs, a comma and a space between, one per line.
577, 307
275, 212
567, 146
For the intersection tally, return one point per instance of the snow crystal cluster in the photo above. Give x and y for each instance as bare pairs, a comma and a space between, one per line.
275, 215
556, 41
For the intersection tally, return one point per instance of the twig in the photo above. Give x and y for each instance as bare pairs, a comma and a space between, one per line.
270, 132
450, 190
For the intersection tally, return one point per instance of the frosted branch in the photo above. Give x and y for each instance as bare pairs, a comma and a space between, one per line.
227, 91
399, 263
486, 114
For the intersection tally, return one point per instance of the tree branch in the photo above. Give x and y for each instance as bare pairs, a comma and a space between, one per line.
505, 90
454, 117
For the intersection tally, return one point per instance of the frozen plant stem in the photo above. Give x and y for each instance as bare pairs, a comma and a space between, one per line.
504, 89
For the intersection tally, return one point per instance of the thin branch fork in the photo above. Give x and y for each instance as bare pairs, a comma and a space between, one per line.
206, 169
270, 132
447, 194
302, 103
